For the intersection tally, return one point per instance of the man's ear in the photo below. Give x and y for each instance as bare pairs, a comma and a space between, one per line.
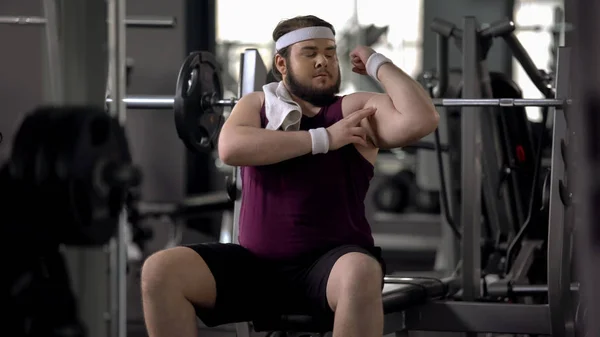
280, 63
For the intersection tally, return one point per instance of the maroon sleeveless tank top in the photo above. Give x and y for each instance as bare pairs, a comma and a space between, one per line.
309, 203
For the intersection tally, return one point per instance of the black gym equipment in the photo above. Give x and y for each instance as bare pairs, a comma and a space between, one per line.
71, 165
187, 208
197, 104
191, 207
511, 183
199, 89
65, 184
509, 160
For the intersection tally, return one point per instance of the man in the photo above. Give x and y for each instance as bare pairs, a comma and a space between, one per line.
305, 244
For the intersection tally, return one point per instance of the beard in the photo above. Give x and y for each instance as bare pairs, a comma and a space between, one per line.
319, 97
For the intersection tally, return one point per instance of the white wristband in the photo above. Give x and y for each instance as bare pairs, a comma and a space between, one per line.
375, 61
320, 140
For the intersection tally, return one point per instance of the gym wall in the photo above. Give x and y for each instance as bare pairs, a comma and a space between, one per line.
21, 67
157, 55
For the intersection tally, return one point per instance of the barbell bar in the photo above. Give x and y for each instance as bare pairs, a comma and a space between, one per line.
132, 21
500, 102
167, 102
198, 102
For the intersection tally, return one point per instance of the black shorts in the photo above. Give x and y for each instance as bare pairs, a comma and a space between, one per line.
250, 288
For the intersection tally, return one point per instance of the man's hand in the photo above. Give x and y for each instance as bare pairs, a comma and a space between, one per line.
348, 130
359, 57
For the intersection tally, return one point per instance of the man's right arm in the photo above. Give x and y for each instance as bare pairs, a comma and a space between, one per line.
242, 141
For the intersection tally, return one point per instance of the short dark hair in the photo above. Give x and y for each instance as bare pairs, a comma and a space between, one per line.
286, 26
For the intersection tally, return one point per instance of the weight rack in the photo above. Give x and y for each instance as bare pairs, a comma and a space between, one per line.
555, 318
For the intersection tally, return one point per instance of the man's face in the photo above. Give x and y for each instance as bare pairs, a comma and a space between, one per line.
313, 71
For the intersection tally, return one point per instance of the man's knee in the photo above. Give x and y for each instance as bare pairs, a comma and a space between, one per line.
355, 275
178, 269
158, 270
361, 271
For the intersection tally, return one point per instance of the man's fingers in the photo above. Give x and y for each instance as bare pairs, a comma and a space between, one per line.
358, 64
361, 114
358, 131
359, 71
360, 141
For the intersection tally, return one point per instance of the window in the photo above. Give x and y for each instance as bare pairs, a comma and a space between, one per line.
534, 21
405, 22
249, 26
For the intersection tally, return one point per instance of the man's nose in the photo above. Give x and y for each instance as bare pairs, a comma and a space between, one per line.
321, 61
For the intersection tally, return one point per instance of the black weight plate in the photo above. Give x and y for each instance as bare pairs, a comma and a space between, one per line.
26, 150
94, 205
198, 122
24, 208
69, 200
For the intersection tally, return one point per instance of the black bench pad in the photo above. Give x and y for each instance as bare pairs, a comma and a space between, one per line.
399, 293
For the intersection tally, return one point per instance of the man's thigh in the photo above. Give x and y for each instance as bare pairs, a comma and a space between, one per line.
309, 284
245, 284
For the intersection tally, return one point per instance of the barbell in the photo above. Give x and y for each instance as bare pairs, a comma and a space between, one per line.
167, 102
198, 102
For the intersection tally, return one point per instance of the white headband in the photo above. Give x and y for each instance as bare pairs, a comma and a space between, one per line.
304, 34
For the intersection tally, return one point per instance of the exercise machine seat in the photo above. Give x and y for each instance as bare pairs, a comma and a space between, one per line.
399, 293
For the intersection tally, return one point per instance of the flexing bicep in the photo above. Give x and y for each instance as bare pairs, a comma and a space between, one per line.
392, 128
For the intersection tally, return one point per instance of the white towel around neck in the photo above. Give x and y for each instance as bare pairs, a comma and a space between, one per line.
282, 112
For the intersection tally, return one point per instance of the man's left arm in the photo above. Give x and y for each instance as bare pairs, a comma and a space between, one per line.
405, 112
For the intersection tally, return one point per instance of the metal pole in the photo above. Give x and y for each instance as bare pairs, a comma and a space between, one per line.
500, 102
163, 102
559, 237
54, 70
150, 22
117, 68
133, 21
471, 166
167, 102
150, 102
